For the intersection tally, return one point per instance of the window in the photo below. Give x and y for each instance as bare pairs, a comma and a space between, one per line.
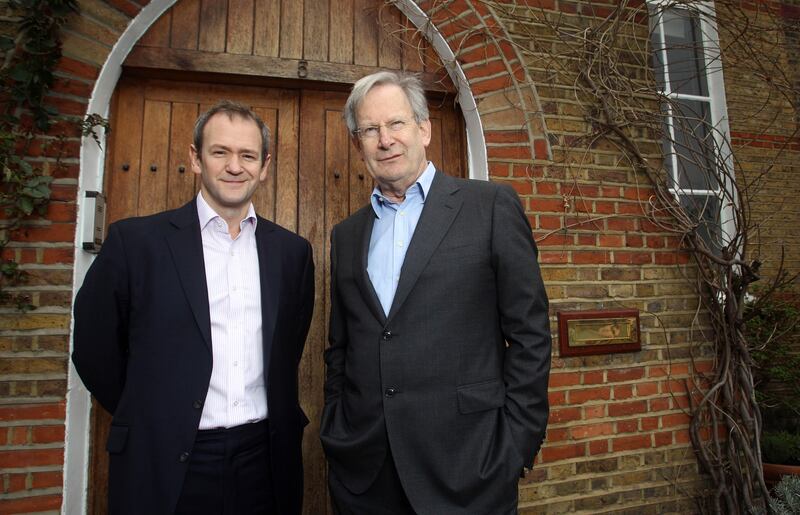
688, 71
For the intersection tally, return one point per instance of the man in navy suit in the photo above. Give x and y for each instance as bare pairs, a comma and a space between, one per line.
189, 328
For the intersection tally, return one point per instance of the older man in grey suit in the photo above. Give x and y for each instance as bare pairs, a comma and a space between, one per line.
436, 390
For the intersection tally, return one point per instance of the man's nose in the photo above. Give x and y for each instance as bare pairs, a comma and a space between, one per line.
234, 164
385, 136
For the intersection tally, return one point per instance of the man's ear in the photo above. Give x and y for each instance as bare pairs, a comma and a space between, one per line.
262, 175
425, 129
194, 158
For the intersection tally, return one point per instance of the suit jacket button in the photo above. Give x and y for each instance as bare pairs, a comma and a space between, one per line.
184, 457
197, 404
389, 392
387, 335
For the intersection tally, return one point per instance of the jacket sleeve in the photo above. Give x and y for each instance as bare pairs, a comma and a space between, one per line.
306, 311
524, 320
101, 323
337, 335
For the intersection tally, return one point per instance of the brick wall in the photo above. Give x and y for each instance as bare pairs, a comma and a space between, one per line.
618, 440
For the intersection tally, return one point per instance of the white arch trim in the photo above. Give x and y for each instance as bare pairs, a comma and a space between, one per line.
92, 158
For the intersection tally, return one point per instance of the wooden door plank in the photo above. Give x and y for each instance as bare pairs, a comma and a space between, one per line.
361, 182
185, 23
340, 47
213, 20
287, 151
453, 150
291, 29
311, 225
434, 151
158, 33
180, 177
390, 54
413, 47
337, 169
267, 27
315, 30
155, 157
240, 27
122, 179
264, 199
365, 37
210, 93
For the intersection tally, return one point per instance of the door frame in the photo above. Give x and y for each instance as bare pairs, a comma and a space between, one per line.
92, 160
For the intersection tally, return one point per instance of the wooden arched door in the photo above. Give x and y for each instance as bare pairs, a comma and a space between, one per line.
316, 180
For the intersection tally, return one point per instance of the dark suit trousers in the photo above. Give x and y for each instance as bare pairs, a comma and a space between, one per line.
229, 473
384, 497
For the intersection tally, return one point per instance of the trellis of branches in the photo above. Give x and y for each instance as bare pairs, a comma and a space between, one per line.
608, 55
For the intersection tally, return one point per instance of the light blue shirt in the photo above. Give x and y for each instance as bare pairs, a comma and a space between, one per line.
391, 234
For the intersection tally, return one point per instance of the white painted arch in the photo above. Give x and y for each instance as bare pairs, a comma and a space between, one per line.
77, 439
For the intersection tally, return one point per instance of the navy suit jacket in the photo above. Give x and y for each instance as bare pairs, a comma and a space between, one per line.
142, 346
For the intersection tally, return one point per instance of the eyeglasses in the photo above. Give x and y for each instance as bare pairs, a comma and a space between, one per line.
371, 132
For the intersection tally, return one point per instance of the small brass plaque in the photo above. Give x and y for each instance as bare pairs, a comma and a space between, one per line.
598, 332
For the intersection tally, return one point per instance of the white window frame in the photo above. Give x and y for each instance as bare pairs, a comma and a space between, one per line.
715, 98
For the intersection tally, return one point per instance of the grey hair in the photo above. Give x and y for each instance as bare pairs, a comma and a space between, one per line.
410, 84
232, 109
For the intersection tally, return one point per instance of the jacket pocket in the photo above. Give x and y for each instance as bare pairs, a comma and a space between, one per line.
481, 396
117, 437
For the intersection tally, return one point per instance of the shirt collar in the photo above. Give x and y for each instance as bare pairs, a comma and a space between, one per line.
206, 213
423, 185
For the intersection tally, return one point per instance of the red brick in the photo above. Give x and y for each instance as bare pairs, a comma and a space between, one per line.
548, 205
553, 257
484, 70
625, 374
557, 434
611, 240
546, 188
564, 415
32, 412
590, 257
31, 504
589, 394
591, 412
623, 392
660, 404
555, 239
45, 233
587, 240
485, 86
591, 430
662, 439
47, 479
598, 447
595, 377
18, 435
629, 443
645, 389
556, 398
627, 426
31, 458
63, 192
634, 241
506, 136
623, 409
47, 434
677, 419
77, 68
565, 379
621, 224
61, 212
509, 152
16, 483
66, 106
564, 452
52, 256
650, 423
540, 148
682, 437
632, 258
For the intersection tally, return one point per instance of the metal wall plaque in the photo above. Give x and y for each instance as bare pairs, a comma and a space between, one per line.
582, 333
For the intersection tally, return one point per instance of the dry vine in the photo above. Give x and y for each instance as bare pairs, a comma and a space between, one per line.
607, 53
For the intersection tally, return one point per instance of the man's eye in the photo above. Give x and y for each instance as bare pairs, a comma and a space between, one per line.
217, 152
371, 131
249, 157
397, 125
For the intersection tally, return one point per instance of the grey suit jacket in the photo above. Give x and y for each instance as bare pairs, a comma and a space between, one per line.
454, 379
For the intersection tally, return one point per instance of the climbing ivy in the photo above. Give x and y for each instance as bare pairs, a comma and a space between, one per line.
27, 75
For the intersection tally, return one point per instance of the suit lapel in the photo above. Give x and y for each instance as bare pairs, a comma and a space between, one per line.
441, 208
270, 275
186, 246
360, 261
